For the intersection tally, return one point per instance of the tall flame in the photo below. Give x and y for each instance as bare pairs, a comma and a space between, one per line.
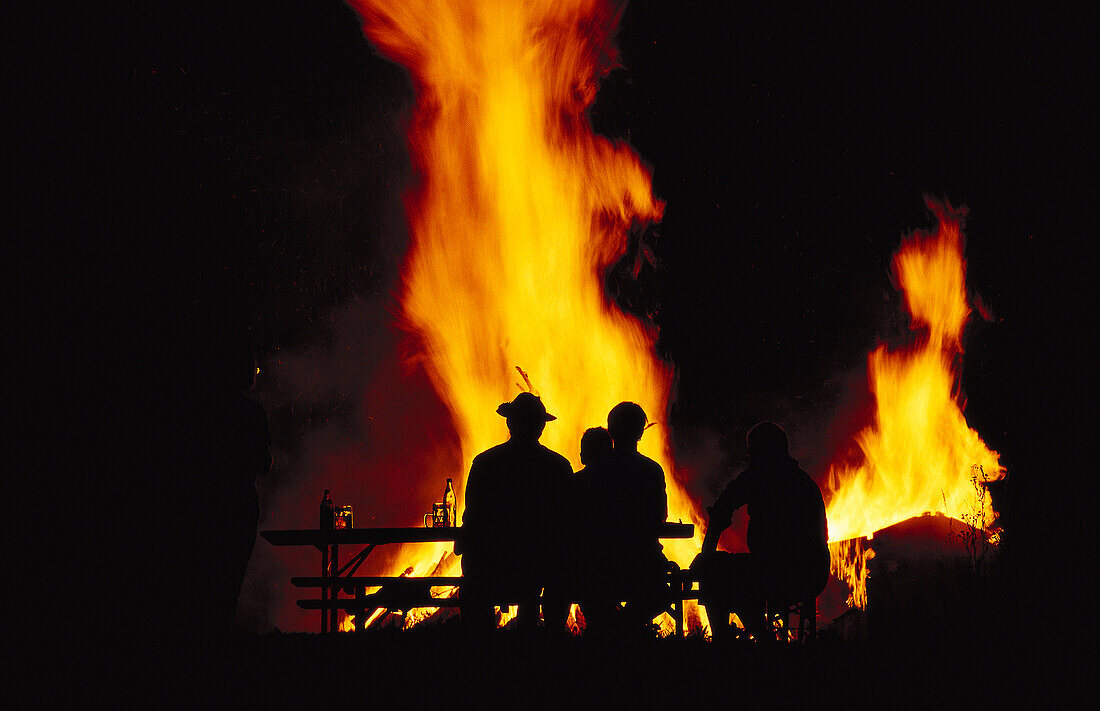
918, 455
519, 211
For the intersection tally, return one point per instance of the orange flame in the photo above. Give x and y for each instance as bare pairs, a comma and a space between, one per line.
519, 211
918, 455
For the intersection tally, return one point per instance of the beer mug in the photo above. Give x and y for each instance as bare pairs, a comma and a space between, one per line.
437, 518
345, 517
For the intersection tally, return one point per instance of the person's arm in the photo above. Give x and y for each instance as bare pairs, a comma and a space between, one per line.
471, 504
660, 498
721, 513
715, 527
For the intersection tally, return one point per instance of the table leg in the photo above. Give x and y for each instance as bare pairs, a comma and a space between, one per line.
324, 588
361, 612
676, 609
332, 626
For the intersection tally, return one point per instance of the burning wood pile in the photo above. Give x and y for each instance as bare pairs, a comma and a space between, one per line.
519, 210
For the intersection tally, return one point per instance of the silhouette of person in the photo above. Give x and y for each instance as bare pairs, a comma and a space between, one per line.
514, 495
249, 455
788, 558
579, 562
627, 503
226, 450
596, 444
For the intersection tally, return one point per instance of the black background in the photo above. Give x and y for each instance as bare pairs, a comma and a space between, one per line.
184, 173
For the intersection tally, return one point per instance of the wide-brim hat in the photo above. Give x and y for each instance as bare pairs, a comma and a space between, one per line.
526, 406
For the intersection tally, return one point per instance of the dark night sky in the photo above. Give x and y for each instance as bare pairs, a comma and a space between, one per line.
200, 170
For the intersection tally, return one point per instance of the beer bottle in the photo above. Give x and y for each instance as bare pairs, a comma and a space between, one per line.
328, 513
450, 503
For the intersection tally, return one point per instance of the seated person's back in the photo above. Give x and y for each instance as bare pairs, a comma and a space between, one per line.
627, 493
787, 530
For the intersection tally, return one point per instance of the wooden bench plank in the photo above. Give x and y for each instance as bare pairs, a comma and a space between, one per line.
351, 604
406, 593
372, 581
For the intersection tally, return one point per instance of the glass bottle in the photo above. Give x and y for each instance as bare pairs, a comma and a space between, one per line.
450, 503
328, 513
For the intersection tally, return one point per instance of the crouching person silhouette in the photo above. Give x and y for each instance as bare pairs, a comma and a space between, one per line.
788, 558
510, 545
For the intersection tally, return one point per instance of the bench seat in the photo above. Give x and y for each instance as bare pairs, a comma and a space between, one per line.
405, 593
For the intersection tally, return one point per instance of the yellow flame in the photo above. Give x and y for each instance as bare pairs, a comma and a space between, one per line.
519, 211
918, 455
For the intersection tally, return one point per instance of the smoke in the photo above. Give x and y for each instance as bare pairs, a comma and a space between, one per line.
355, 415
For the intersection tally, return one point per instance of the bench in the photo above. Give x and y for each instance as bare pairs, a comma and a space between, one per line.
400, 592
406, 593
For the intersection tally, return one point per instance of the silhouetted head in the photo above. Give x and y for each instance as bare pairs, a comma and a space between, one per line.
595, 445
766, 439
526, 416
625, 423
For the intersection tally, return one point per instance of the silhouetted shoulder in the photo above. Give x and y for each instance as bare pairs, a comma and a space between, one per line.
739, 491
487, 472
649, 466
492, 454
809, 490
558, 461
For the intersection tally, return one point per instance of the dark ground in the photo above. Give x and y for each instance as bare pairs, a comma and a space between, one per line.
437, 666
186, 172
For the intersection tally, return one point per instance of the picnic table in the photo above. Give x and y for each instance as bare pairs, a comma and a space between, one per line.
397, 592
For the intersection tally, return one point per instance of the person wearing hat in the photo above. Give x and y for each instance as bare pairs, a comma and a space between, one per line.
788, 558
514, 495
